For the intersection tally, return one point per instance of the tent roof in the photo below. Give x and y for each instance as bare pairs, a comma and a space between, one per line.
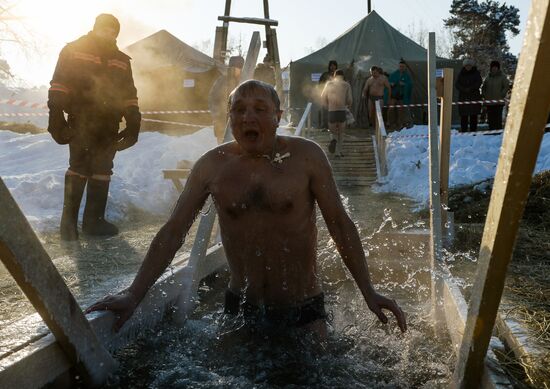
163, 49
370, 39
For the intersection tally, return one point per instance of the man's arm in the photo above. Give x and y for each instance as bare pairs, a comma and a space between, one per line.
344, 233
164, 246
387, 85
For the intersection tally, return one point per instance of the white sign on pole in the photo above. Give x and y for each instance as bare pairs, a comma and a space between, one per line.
315, 77
189, 83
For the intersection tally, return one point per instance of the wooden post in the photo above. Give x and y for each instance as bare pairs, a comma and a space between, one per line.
445, 143
523, 134
185, 301
31, 267
434, 184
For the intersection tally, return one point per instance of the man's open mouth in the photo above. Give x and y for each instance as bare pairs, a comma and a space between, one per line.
251, 135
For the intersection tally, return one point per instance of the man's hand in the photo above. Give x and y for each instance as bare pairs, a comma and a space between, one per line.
129, 136
58, 127
122, 305
377, 302
126, 139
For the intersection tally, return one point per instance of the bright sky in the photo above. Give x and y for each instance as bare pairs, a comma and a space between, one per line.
304, 25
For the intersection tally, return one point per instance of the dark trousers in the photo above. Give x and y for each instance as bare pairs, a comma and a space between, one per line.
494, 116
464, 123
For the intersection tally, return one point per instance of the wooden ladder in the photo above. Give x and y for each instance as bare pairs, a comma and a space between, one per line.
358, 166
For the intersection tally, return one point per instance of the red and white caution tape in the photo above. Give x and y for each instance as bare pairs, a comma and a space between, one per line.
482, 102
492, 132
23, 114
172, 112
28, 104
23, 103
175, 123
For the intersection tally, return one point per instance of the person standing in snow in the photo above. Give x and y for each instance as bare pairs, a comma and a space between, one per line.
401, 88
468, 83
495, 87
326, 77
93, 84
337, 99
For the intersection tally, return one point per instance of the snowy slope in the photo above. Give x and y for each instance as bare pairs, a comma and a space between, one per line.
473, 159
33, 168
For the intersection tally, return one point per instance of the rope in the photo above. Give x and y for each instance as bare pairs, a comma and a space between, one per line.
482, 102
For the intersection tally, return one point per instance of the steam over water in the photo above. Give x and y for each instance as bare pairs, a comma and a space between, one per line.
213, 350
209, 351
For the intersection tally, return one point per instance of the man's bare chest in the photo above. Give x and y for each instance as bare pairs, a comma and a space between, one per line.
268, 192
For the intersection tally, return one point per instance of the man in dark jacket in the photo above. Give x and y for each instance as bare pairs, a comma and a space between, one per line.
93, 84
495, 87
468, 83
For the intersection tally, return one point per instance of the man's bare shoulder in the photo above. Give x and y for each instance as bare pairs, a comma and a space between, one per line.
307, 151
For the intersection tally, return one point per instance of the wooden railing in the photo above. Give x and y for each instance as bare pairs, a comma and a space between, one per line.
306, 117
380, 146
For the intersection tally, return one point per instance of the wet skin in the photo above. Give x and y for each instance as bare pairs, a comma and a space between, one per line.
267, 217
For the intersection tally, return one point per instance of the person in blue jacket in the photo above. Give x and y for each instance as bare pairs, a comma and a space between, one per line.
401, 88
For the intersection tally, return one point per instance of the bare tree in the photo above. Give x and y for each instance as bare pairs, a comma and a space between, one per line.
419, 32
13, 31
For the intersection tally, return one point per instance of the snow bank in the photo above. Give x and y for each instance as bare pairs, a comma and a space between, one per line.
473, 159
33, 168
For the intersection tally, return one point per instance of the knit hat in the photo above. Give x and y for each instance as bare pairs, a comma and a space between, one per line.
107, 20
468, 61
495, 63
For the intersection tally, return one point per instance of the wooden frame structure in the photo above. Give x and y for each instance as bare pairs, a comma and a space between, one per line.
31, 267
222, 34
523, 133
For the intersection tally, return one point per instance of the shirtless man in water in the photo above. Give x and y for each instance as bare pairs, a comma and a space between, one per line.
265, 188
374, 90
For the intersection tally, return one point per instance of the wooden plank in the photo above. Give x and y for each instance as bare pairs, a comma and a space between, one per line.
434, 179
445, 143
264, 22
42, 361
523, 134
31, 267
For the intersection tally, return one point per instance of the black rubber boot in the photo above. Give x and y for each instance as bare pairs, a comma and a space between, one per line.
94, 222
74, 188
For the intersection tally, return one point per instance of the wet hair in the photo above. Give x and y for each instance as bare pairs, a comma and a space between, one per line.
250, 87
373, 68
107, 20
339, 72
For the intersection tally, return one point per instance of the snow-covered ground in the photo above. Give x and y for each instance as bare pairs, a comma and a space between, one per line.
473, 159
33, 168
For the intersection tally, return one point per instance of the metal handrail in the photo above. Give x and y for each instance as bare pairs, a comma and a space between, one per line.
303, 120
381, 135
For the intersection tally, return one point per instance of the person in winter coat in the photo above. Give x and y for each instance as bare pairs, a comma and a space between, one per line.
326, 77
401, 88
468, 83
93, 84
218, 97
265, 72
495, 87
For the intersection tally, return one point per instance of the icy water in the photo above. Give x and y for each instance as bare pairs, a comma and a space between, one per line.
210, 351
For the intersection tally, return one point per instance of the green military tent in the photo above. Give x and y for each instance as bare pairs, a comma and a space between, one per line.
172, 76
371, 41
